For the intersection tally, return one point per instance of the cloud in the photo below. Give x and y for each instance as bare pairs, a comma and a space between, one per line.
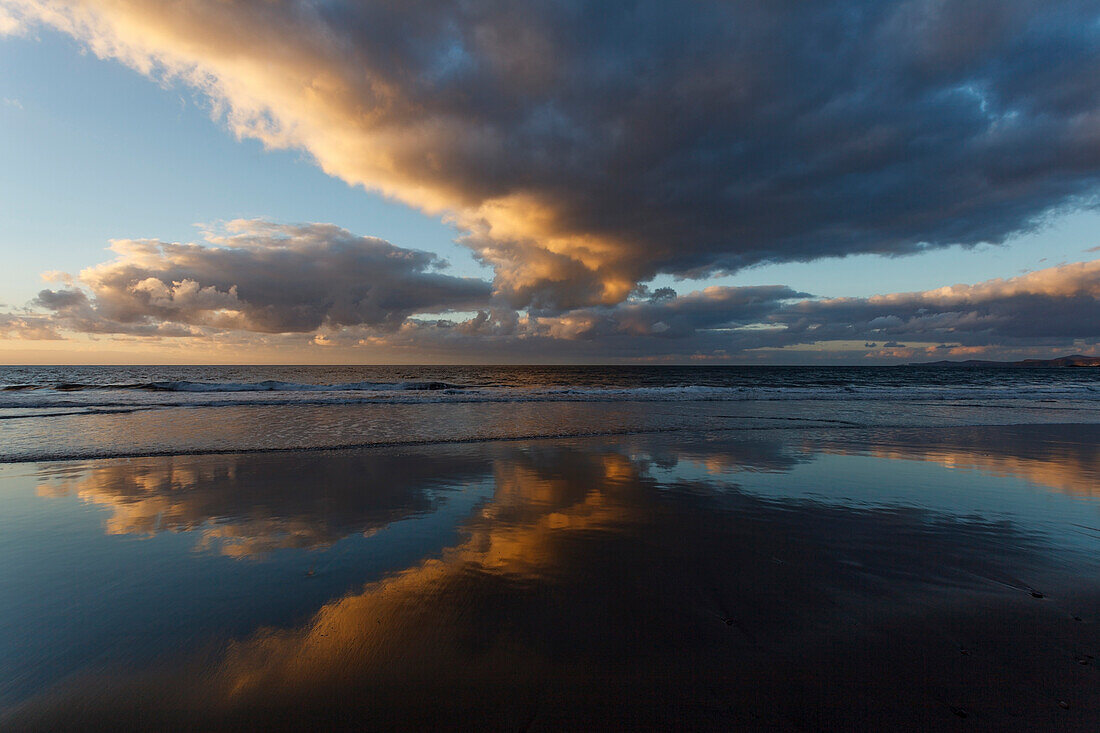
670, 317
1057, 305
253, 281
726, 319
260, 277
10, 24
1041, 313
30, 327
586, 147
261, 285
257, 284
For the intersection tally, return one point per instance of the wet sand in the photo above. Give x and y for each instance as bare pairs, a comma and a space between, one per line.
933, 578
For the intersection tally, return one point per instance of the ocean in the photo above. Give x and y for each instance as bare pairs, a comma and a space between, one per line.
56, 413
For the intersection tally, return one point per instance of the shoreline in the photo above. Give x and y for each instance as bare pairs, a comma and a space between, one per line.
256, 429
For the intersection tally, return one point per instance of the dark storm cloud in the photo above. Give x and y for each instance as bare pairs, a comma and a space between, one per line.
587, 146
259, 277
1057, 308
676, 317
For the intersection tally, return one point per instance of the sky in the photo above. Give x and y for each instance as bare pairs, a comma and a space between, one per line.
328, 181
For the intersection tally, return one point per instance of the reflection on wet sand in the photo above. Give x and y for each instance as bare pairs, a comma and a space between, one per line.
249, 504
587, 592
1065, 458
728, 456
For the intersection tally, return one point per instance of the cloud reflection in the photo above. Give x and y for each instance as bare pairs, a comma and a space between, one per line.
1065, 458
249, 504
581, 578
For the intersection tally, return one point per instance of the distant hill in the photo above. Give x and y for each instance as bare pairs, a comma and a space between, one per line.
1077, 360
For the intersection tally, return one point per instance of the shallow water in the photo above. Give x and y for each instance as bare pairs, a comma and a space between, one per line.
795, 578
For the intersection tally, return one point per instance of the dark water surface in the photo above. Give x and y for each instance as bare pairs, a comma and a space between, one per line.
57, 413
855, 567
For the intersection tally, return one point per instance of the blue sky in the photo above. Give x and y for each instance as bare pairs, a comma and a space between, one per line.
93, 150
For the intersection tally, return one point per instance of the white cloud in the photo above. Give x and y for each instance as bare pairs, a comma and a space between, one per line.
10, 24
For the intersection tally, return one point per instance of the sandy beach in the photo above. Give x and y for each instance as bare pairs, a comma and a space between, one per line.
941, 578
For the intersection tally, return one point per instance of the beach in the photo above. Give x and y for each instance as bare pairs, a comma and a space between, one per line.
554, 365
789, 573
